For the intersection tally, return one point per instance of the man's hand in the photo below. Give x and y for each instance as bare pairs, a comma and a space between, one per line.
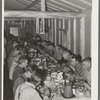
87, 87
45, 91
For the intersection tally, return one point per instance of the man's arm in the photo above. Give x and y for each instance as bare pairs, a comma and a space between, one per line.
29, 94
18, 81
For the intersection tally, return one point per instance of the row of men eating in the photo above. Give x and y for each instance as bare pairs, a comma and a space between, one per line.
28, 64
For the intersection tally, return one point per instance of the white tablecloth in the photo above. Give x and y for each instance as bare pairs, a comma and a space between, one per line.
75, 98
60, 97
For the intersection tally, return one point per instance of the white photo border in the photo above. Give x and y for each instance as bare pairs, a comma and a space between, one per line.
94, 49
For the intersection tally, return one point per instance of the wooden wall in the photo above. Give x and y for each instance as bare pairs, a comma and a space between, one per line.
73, 33
87, 34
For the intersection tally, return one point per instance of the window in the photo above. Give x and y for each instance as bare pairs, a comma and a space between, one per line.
14, 31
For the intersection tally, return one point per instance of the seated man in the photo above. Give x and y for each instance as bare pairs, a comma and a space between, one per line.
87, 76
57, 55
27, 90
67, 55
76, 65
15, 53
24, 77
30, 53
82, 73
50, 49
12, 66
11, 46
73, 69
19, 69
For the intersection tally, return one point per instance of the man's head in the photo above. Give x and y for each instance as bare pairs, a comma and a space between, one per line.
75, 59
23, 61
86, 63
29, 70
15, 43
57, 48
16, 50
30, 54
37, 61
66, 55
38, 76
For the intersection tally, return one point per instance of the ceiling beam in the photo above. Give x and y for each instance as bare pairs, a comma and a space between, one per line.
35, 7
43, 5
40, 14
51, 7
59, 8
55, 7
71, 4
90, 4
48, 8
22, 2
32, 4
62, 5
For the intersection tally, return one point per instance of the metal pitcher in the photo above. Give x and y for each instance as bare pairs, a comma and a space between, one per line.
68, 91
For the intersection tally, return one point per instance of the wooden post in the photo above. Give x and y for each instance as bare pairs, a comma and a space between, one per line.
63, 34
19, 30
24, 23
69, 34
82, 36
46, 26
43, 8
43, 5
55, 23
21, 24
37, 25
26, 26
46, 33
74, 26
60, 31
52, 31
49, 35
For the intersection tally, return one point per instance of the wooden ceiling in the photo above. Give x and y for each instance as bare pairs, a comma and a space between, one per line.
51, 5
